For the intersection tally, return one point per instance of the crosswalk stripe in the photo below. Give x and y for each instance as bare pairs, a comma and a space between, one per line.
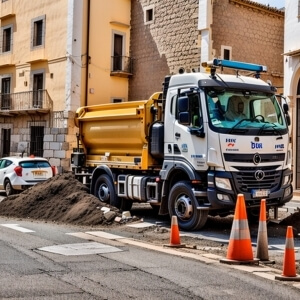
17, 227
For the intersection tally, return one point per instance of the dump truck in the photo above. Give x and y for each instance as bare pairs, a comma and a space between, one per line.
184, 153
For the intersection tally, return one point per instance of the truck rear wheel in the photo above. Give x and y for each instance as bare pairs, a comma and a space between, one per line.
183, 204
105, 191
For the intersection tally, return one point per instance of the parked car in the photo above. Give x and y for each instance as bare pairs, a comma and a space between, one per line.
20, 173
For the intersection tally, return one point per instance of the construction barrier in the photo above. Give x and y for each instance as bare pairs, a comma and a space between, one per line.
262, 252
174, 234
289, 262
240, 248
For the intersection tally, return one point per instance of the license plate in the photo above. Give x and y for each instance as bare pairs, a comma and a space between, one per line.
39, 174
260, 193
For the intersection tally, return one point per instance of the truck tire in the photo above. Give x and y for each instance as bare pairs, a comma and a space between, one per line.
105, 191
183, 204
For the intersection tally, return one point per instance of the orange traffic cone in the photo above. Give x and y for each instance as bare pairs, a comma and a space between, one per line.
240, 249
262, 236
289, 263
174, 234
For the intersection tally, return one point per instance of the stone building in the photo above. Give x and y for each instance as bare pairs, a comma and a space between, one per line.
172, 35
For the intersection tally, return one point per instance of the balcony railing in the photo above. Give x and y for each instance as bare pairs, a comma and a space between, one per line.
31, 101
121, 66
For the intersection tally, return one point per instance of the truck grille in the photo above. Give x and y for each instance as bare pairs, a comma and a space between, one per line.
248, 158
245, 180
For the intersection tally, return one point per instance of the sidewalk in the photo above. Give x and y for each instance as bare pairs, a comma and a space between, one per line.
296, 196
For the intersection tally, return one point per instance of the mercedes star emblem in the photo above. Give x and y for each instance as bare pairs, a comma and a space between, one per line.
256, 159
259, 175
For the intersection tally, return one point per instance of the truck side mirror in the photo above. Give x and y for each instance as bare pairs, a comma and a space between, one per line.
286, 112
288, 119
184, 118
183, 104
183, 110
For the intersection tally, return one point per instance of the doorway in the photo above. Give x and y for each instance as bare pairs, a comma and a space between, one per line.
118, 52
5, 93
38, 85
297, 171
5, 142
37, 140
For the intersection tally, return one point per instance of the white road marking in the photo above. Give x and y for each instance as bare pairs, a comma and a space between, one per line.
105, 235
17, 227
141, 225
81, 249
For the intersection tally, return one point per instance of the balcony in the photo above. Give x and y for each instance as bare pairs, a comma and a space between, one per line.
121, 66
31, 102
7, 9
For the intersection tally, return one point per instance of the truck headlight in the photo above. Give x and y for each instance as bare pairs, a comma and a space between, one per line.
223, 183
287, 180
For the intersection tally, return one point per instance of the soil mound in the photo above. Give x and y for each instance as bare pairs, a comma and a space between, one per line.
61, 198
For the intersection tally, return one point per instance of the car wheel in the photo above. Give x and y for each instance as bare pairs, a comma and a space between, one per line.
9, 190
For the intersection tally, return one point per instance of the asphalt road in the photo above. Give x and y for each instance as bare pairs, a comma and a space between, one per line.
48, 261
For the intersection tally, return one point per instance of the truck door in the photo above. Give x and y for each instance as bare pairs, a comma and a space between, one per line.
189, 140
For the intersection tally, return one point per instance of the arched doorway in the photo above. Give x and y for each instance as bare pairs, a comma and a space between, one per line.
297, 165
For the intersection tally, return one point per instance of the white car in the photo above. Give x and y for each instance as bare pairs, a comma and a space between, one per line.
20, 173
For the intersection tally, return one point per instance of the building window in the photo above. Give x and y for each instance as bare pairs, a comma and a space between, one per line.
226, 52
5, 93
37, 88
149, 14
118, 49
6, 38
116, 100
38, 31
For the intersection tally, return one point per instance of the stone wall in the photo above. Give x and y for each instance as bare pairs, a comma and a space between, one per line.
58, 141
161, 47
253, 31
255, 35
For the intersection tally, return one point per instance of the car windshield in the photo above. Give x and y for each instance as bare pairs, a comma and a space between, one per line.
241, 113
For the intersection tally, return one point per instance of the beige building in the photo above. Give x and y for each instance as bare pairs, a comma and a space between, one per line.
109, 64
54, 57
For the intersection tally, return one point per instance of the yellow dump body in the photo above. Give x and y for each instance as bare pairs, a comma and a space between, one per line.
117, 134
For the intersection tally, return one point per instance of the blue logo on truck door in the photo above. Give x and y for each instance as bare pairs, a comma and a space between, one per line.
279, 147
256, 145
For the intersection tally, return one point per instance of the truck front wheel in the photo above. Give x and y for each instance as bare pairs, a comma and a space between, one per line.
183, 204
105, 191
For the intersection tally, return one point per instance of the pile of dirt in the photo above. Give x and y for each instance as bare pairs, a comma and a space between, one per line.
64, 199
61, 198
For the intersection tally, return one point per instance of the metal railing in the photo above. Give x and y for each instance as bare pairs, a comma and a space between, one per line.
121, 64
29, 100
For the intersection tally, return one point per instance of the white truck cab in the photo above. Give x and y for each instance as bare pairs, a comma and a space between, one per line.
231, 136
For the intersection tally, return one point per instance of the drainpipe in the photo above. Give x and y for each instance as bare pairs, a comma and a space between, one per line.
87, 51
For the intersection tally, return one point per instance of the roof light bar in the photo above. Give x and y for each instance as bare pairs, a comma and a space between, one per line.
238, 65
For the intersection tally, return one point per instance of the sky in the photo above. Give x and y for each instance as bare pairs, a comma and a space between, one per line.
272, 3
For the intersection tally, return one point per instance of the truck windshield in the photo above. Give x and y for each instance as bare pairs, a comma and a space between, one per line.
247, 114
